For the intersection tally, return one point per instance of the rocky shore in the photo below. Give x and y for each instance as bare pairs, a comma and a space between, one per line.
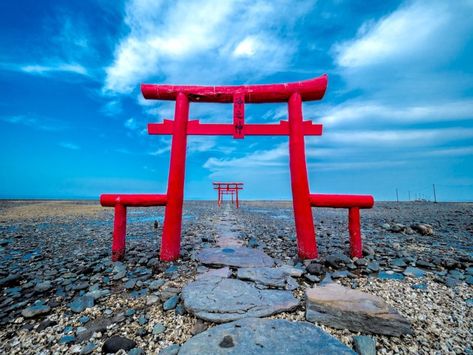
60, 292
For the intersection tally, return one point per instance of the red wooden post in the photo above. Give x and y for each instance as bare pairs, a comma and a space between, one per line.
356, 249
171, 238
232, 197
306, 243
219, 197
236, 193
119, 233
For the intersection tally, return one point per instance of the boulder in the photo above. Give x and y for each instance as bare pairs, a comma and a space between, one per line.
343, 308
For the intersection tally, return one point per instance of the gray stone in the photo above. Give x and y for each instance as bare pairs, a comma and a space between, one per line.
275, 277
264, 336
414, 272
343, 308
130, 284
315, 269
171, 303
222, 300
116, 343
158, 328
156, 284
35, 310
79, 304
43, 286
235, 256
373, 266
136, 351
364, 345
390, 275
172, 349
222, 272
88, 349
422, 228
152, 299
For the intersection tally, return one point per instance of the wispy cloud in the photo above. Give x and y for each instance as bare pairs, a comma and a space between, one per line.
35, 122
52, 68
206, 41
69, 145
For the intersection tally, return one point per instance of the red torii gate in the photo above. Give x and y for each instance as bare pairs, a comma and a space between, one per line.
296, 128
225, 188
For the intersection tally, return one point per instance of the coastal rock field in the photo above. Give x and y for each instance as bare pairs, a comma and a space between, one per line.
61, 293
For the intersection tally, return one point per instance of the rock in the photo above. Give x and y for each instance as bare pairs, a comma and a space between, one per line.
398, 262
88, 349
235, 256
341, 307
158, 328
81, 303
397, 228
80, 285
337, 260
156, 284
115, 343
469, 280
10, 280
340, 274
364, 345
275, 277
222, 272
130, 284
67, 339
222, 300
423, 229
361, 262
172, 349
264, 336
315, 269
142, 320
136, 351
35, 310
171, 303
84, 319
421, 286
43, 286
414, 272
152, 299
312, 278
390, 275
373, 266
45, 324
198, 327
451, 281
291, 270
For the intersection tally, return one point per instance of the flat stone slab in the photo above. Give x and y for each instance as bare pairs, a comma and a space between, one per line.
223, 300
235, 256
224, 272
275, 277
264, 336
343, 308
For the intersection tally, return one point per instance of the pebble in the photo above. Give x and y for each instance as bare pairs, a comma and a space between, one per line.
79, 304
35, 310
172, 349
116, 343
158, 328
171, 303
43, 286
364, 345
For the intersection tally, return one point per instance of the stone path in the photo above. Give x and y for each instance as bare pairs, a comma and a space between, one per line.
264, 336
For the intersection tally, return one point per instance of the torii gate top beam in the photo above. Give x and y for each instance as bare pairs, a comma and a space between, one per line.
313, 89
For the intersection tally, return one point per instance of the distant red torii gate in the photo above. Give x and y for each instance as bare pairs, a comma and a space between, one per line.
296, 128
227, 188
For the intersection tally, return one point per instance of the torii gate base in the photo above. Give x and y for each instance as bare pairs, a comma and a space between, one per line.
181, 127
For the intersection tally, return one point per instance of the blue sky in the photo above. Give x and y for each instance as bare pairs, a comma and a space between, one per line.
398, 112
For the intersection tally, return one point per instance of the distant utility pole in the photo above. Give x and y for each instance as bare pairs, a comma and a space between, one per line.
409, 195
397, 195
435, 195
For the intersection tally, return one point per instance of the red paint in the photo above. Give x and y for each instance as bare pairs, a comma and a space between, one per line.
228, 188
353, 203
313, 89
171, 240
119, 233
356, 247
293, 93
306, 243
221, 129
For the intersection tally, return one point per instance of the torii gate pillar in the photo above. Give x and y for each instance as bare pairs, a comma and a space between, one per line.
305, 231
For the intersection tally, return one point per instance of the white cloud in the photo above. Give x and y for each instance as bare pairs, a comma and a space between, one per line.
360, 111
205, 41
41, 123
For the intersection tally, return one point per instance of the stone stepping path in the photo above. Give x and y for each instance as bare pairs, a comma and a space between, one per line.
264, 336
234, 256
222, 300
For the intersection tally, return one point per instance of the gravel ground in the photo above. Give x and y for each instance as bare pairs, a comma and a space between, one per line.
51, 253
